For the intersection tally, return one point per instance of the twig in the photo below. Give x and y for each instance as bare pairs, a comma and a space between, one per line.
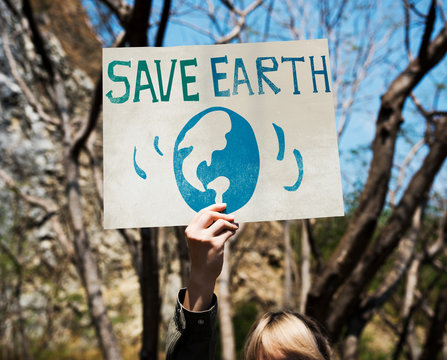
235, 32
90, 124
411, 154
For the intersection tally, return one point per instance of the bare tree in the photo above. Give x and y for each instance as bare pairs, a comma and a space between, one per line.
353, 244
225, 301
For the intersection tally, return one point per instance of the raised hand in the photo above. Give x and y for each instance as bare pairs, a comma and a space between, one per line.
207, 233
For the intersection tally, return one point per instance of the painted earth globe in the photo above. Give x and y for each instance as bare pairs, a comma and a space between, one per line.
216, 159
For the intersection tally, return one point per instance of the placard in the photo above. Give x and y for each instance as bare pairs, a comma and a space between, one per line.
251, 125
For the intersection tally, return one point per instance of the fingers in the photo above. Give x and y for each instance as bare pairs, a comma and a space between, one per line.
223, 237
209, 217
222, 225
211, 224
214, 207
200, 216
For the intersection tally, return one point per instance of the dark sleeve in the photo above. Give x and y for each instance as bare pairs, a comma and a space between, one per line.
191, 335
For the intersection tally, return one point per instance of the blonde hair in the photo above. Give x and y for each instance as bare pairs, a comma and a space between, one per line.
286, 334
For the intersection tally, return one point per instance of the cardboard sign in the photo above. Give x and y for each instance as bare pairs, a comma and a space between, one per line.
251, 125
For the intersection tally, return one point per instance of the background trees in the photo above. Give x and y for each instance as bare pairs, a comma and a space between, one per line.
378, 272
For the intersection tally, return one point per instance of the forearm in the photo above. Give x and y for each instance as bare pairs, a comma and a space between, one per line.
192, 332
199, 293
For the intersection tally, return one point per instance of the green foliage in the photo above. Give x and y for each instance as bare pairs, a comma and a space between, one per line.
376, 342
368, 352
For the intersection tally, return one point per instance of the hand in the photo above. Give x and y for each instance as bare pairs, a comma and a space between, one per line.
206, 234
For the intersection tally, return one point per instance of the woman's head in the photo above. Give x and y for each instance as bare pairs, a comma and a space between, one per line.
286, 335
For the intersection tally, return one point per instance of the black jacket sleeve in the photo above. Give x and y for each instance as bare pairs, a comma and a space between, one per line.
191, 335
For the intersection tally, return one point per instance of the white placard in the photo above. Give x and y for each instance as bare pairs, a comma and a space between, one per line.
251, 125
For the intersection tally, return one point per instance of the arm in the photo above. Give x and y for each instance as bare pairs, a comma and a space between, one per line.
206, 234
191, 334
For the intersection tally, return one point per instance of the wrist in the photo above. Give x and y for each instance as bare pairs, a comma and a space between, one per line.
199, 294
202, 279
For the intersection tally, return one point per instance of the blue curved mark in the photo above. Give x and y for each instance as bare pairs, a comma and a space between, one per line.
138, 170
157, 149
281, 142
299, 161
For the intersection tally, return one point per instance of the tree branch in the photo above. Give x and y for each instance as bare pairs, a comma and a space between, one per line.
183, 254
361, 228
90, 124
429, 26
411, 154
407, 320
95, 109
341, 307
38, 40
136, 35
120, 8
132, 245
44, 204
235, 32
400, 267
163, 23
136, 30
373, 303
230, 6
13, 9
49, 207
407, 29
434, 339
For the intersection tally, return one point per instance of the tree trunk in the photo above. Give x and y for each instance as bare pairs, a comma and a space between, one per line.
361, 228
134, 250
412, 280
351, 347
183, 253
225, 318
84, 259
399, 221
305, 265
434, 340
287, 296
444, 349
369, 306
150, 293
87, 267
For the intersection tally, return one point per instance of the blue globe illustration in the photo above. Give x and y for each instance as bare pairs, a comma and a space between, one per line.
230, 171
